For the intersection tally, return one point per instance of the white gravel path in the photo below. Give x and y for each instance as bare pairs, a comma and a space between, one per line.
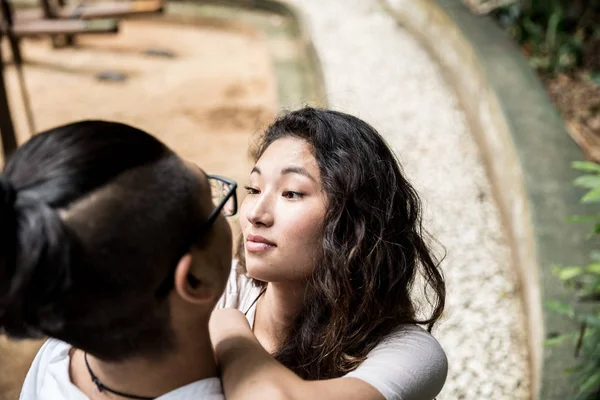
377, 71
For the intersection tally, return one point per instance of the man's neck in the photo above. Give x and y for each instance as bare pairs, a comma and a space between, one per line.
190, 362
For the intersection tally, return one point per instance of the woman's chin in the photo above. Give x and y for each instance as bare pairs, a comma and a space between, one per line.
261, 271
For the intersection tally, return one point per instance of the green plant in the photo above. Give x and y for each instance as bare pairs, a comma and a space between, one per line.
585, 282
552, 32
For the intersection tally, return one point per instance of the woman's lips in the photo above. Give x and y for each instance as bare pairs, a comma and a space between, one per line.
258, 244
258, 247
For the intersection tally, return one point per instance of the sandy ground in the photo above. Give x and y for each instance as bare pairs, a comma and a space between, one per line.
206, 103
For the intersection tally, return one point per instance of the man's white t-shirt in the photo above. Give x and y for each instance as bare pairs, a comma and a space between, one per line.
408, 364
48, 379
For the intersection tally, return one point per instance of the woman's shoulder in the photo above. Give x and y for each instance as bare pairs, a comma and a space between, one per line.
413, 335
240, 290
407, 364
416, 342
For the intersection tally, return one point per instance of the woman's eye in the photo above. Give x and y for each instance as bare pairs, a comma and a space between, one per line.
288, 194
251, 190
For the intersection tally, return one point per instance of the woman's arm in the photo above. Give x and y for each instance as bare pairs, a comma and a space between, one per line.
250, 372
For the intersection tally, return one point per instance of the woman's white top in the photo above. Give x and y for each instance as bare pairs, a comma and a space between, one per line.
408, 364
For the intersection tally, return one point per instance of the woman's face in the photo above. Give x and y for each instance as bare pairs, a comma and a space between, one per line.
282, 215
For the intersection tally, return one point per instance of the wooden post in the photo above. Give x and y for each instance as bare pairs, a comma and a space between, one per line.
7, 130
69, 40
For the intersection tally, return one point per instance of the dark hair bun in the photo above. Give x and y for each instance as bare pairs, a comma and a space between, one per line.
35, 255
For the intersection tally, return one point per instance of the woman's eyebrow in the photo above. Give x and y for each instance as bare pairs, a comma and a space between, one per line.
297, 170
289, 170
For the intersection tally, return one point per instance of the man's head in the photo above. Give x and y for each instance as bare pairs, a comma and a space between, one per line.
104, 233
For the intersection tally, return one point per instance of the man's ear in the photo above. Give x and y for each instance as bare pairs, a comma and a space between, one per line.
189, 287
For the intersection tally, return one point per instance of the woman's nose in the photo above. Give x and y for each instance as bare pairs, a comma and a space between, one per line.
259, 213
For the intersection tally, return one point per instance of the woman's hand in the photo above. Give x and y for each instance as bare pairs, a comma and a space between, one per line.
228, 323
246, 368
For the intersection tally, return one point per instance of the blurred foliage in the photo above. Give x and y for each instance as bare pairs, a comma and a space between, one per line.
585, 282
553, 33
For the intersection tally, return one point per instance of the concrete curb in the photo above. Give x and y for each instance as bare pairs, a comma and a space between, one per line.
290, 97
527, 152
317, 82
303, 33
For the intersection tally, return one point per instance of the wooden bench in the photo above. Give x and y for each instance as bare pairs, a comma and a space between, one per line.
49, 27
96, 10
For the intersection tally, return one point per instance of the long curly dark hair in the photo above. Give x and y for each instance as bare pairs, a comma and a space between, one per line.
373, 247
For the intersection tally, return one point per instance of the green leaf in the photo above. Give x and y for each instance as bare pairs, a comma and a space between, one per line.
553, 22
558, 339
586, 166
593, 196
560, 308
595, 77
534, 30
588, 370
595, 255
566, 273
565, 61
588, 181
591, 383
592, 321
573, 369
539, 62
593, 269
583, 218
591, 291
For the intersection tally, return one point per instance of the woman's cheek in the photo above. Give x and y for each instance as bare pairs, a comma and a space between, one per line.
304, 234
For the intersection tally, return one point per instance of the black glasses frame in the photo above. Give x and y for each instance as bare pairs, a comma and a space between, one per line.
231, 193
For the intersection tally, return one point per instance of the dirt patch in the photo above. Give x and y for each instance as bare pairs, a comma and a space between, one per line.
206, 102
577, 97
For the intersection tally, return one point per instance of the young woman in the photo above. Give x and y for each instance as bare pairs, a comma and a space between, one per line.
334, 254
112, 246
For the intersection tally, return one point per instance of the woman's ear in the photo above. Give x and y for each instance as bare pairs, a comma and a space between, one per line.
189, 287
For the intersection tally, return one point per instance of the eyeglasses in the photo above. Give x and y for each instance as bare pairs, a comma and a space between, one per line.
223, 195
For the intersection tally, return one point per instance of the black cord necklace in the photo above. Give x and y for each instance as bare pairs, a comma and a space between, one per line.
102, 387
255, 300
